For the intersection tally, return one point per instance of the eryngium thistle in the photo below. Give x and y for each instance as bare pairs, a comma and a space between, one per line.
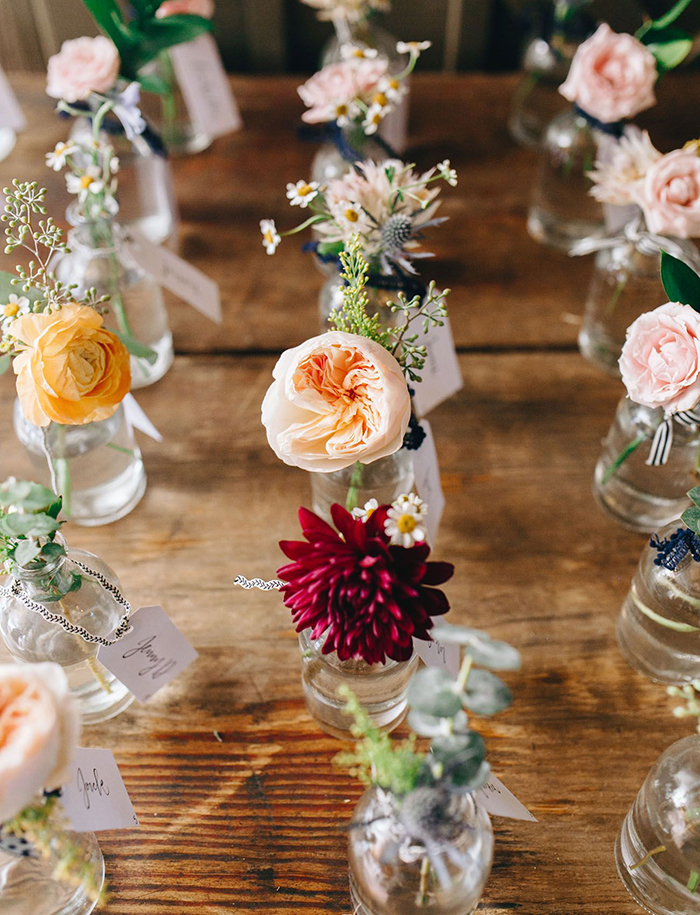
397, 231
369, 598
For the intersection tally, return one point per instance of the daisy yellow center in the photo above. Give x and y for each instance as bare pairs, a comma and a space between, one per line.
341, 110
406, 524
376, 119
85, 182
304, 190
10, 310
358, 52
352, 215
394, 84
269, 237
380, 99
369, 512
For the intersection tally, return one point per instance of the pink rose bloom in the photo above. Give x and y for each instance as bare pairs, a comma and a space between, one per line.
329, 93
611, 77
670, 195
203, 8
336, 399
82, 66
39, 730
660, 361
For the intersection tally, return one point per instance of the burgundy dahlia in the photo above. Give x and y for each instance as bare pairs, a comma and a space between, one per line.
370, 598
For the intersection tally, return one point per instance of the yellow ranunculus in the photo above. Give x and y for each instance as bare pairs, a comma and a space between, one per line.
70, 369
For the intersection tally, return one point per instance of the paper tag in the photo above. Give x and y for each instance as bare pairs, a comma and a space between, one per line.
438, 654
206, 87
441, 374
11, 115
498, 801
137, 419
184, 280
426, 471
394, 128
96, 798
151, 654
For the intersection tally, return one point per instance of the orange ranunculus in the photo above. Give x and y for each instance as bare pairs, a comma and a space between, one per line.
70, 369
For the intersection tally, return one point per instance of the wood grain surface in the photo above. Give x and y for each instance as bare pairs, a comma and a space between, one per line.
256, 822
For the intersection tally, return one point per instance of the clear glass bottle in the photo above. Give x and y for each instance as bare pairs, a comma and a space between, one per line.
333, 160
562, 211
383, 480
145, 193
331, 297
32, 639
99, 259
658, 629
392, 873
96, 468
8, 139
380, 688
28, 886
168, 113
625, 284
658, 849
537, 100
638, 496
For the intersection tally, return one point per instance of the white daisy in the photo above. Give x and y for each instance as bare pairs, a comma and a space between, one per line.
414, 48
90, 182
14, 308
271, 237
364, 513
375, 115
446, 171
350, 51
392, 88
404, 520
57, 159
302, 193
345, 113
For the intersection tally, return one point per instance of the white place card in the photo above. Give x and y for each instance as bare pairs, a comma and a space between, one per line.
137, 419
441, 374
498, 801
394, 128
174, 273
95, 798
205, 86
439, 654
151, 654
426, 471
11, 115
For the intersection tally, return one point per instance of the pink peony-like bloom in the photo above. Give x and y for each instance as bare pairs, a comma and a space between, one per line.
83, 65
204, 8
368, 597
670, 195
660, 361
39, 730
612, 77
336, 399
330, 93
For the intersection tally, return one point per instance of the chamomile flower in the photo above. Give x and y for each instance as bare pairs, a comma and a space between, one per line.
344, 113
404, 525
349, 51
352, 217
57, 158
393, 89
302, 193
366, 511
449, 174
271, 237
375, 115
414, 48
90, 182
13, 308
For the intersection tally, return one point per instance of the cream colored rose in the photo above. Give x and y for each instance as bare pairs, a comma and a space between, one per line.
39, 730
336, 399
670, 195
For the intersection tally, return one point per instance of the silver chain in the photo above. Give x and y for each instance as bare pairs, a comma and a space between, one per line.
16, 590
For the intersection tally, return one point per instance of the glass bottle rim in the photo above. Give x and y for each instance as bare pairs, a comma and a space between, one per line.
25, 573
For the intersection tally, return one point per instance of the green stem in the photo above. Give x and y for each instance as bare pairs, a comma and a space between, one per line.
62, 464
424, 873
615, 298
355, 483
168, 105
120, 449
621, 458
661, 620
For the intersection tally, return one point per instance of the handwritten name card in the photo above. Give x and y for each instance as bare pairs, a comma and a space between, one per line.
498, 801
95, 798
438, 654
205, 86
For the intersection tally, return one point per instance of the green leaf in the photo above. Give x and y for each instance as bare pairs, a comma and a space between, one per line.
108, 16
691, 518
26, 551
52, 550
140, 350
18, 525
28, 496
461, 758
5, 362
151, 82
430, 692
622, 457
669, 46
157, 35
484, 650
330, 249
485, 693
681, 283
430, 726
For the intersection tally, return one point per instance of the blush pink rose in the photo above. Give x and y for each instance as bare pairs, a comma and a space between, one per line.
39, 730
660, 361
670, 195
330, 92
204, 8
336, 399
612, 76
82, 66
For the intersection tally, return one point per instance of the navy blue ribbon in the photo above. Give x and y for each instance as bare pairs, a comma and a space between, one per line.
330, 132
614, 129
114, 128
672, 551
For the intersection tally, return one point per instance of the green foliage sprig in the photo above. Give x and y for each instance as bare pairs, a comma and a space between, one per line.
669, 44
352, 317
28, 524
691, 516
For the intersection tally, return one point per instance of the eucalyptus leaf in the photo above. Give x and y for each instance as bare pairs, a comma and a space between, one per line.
694, 495
26, 551
461, 758
430, 726
30, 496
691, 518
52, 550
485, 693
140, 350
19, 525
7, 288
681, 283
430, 692
484, 650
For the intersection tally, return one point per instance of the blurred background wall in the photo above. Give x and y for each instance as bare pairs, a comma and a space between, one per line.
277, 36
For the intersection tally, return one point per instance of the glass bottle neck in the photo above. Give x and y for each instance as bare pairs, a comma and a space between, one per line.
55, 577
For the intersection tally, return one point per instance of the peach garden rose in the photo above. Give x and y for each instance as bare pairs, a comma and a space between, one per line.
83, 65
336, 399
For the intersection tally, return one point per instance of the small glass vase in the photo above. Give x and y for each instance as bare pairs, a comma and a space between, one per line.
384, 480
658, 849
8, 139
32, 639
392, 873
335, 159
331, 298
145, 193
380, 688
537, 99
28, 886
625, 284
96, 468
658, 629
168, 113
562, 211
98, 259
638, 496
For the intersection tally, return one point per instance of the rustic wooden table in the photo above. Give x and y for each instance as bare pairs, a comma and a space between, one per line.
257, 822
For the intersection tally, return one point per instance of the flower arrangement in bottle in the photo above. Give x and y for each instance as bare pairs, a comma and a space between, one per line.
418, 837
45, 868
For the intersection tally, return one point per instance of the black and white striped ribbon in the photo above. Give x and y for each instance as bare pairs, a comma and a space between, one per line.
16, 590
663, 437
273, 585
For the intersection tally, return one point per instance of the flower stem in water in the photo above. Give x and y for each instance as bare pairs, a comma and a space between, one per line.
355, 483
